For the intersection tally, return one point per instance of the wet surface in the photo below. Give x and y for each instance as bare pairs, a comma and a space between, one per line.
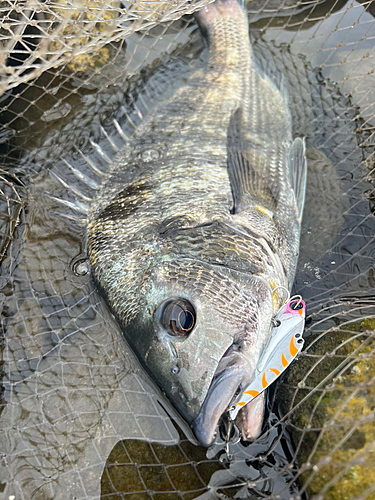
75, 401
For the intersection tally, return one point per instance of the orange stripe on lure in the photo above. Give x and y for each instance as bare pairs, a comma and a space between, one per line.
292, 348
252, 393
284, 361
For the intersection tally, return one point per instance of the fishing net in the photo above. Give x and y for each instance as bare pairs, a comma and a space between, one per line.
79, 417
36, 35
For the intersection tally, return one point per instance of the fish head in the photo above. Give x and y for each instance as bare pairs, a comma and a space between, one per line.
200, 335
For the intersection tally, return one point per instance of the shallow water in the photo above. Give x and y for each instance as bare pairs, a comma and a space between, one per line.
76, 401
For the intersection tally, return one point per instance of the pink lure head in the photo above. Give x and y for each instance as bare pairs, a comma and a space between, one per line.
296, 306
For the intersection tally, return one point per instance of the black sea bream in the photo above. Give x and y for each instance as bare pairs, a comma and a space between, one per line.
195, 233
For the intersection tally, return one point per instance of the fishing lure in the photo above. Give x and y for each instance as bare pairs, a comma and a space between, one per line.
285, 343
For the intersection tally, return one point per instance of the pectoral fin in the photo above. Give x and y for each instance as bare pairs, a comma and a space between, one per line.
248, 180
298, 173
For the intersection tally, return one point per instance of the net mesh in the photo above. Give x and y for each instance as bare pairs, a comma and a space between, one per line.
36, 36
79, 417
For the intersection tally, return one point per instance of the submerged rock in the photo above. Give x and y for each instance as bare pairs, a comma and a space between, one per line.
333, 417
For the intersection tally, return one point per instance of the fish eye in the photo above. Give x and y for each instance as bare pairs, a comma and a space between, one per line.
179, 318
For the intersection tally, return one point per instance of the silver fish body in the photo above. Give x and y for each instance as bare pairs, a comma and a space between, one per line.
195, 233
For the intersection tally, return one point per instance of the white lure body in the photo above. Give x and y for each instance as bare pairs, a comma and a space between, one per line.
284, 345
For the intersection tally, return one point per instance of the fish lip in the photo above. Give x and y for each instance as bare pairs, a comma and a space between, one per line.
220, 397
205, 428
204, 436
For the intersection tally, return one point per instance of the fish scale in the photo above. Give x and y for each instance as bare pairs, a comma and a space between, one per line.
201, 210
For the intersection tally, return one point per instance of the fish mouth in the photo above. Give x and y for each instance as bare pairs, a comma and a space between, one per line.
233, 374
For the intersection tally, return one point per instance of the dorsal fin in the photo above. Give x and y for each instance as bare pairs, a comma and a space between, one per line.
247, 180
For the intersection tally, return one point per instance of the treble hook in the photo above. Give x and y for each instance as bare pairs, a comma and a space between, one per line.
283, 288
227, 438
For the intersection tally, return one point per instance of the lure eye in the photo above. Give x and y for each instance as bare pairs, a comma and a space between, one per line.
179, 318
296, 305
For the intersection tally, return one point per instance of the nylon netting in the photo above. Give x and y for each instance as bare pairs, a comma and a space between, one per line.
37, 35
79, 417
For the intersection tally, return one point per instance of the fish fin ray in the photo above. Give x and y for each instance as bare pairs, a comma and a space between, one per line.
80, 175
72, 189
81, 221
100, 151
267, 69
76, 206
120, 131
247, 181
298, 172
110, 140
91, 164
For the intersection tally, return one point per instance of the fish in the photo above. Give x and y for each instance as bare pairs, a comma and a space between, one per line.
193, 238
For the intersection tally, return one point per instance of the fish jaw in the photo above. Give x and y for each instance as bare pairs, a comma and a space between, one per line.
233, 377
222, 394
249, 419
